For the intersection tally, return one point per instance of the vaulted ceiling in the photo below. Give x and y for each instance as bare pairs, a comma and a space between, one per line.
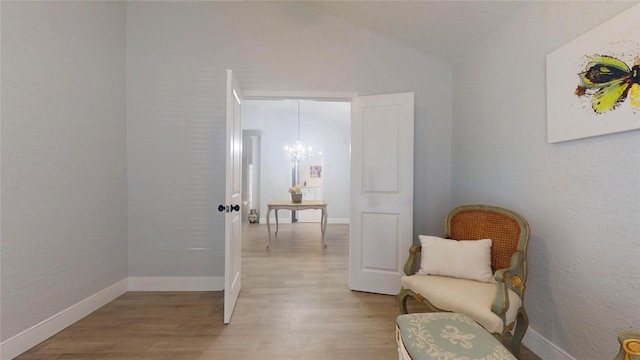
445, 30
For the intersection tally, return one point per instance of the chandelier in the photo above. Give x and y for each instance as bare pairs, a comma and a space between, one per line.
297, 152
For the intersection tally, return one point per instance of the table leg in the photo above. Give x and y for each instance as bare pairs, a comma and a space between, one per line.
276, 221
323, 224
269, 227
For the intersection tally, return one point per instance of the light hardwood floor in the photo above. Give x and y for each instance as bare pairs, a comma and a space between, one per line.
295, 303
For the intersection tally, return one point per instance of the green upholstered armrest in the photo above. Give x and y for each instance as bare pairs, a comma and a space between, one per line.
515, 274
410, 265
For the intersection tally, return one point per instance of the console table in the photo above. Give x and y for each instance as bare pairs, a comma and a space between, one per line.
304, 205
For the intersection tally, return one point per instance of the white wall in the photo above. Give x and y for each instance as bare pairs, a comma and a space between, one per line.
323, 124
64, 222
581, 198
177, 56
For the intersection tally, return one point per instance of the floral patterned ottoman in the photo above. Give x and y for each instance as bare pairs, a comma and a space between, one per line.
443, 335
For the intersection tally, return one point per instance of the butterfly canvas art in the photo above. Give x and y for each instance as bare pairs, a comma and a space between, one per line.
609, 81
593, 82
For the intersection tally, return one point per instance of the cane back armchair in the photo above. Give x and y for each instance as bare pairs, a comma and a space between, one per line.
497, 306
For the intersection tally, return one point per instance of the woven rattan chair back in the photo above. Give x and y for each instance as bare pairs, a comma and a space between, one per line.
507, 230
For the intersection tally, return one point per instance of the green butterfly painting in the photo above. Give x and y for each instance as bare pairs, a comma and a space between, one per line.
609, 81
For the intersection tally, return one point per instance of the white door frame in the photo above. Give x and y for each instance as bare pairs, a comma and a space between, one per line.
302, 95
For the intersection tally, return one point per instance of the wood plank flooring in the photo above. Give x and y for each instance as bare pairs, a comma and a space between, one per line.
295, 303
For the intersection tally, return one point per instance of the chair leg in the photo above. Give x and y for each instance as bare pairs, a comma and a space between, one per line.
522, 324
402, 300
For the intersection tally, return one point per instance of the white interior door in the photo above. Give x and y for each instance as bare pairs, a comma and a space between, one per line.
381, 228
233, 220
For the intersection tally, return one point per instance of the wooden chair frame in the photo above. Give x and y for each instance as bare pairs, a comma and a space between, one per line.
509, 232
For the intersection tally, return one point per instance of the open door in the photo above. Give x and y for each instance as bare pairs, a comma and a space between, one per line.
233, 198
381, 228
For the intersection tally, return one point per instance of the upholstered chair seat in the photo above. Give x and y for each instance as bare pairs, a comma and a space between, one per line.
471, 297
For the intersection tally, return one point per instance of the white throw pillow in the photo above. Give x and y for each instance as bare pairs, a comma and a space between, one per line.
463, 259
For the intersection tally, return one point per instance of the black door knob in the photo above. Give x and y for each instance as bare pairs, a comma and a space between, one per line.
235, 208
221, 208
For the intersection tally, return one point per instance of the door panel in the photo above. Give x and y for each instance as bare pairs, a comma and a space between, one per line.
377, 230
381, 191
233, 220
380, 157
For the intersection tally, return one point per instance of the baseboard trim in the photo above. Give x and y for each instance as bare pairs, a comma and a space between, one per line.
36, 334
176, 283
338, 220
544, 348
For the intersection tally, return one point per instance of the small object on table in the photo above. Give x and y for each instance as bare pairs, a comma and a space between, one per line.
296, 197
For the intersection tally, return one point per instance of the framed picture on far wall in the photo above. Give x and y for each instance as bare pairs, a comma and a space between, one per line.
316, 171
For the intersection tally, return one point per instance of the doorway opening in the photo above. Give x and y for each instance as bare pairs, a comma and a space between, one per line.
379, 183
324, 127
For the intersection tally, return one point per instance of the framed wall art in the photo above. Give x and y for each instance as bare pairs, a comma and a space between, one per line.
315, 171
593, 82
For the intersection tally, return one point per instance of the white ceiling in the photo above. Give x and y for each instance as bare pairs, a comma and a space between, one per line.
445, 30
